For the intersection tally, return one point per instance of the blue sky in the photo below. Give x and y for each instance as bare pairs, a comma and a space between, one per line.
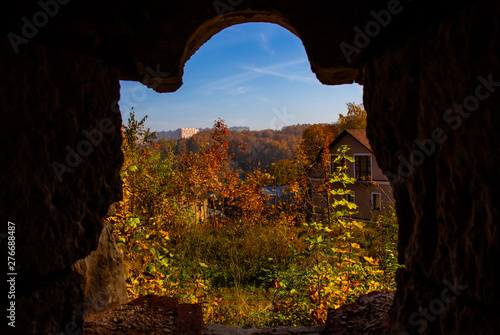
254, 74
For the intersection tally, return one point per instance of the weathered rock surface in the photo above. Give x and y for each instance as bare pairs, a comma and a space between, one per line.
104, 275
449, 237
49, 98
421, 72
148, 315
369, 315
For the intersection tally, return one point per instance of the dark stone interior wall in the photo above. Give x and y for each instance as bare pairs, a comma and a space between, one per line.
49, 99
63, 83
434, 86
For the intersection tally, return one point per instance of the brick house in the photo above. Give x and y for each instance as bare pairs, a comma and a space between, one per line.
372, 189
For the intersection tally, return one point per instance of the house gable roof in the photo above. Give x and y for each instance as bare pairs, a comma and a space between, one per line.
358, 134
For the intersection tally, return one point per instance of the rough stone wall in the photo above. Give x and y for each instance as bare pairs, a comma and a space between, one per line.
447, 193
150, 41
49, 98
104, 275
63, 82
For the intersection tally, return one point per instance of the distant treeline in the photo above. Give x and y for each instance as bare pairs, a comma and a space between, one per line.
259, 149
250, 149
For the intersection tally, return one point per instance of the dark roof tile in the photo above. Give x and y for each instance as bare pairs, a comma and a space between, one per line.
360, 135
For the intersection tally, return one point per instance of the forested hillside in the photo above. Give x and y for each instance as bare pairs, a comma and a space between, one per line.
259, 149
249, 148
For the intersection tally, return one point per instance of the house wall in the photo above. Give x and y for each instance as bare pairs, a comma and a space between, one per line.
363, 190
358, 148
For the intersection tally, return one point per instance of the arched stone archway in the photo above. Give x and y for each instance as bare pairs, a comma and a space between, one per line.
323, 57
430, 92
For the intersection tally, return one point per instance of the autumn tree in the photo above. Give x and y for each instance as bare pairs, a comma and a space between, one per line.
291, 175
250, 150
315, 138
208, 171
355, 118
283, 171
149, 209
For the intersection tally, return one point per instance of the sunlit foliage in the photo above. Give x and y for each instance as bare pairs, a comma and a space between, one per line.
196, 227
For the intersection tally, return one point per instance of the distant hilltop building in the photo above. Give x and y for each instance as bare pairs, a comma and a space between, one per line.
177, 134
187, 132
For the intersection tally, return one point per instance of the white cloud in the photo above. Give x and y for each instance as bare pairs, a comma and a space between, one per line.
229, 83
263, 41
283, 74
268, 101
288, 70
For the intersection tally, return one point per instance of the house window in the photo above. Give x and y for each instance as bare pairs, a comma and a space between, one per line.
363, 167
376, 201
336, 165
351, 197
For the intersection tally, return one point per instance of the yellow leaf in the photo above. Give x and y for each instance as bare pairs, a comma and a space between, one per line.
371, 260
167, 237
